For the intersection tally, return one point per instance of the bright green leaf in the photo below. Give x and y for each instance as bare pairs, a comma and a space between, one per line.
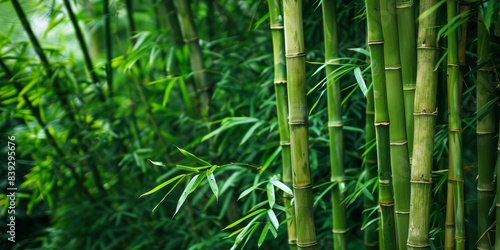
273, 218
185, 193
162, 185
213, 184
270, 194
193, 157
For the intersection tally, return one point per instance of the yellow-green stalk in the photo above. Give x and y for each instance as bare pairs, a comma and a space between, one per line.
425, 115
395, 99
280, 87
386, 200
298, 121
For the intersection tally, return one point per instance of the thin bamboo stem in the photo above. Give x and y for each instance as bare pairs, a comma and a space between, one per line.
335, 125
109, 48
386, 200
400, 164
280, 86
455, 127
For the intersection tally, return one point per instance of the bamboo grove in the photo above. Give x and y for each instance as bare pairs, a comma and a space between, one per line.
239, 124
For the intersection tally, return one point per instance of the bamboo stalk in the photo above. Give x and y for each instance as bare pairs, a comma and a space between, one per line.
425, 116
400, 164
84, 48
335, 126
408, 54
485, 93
109, 48
455, 127
298, 121
386, 201
497, 232
191, 39
370, 166
280, 87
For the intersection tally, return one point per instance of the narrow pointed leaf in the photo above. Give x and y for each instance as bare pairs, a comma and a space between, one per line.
360, 80
260, 211
157, 163
213, 184
263, 234
273, 218
193, 157
185, 193
162, 185
270, 194
282, 186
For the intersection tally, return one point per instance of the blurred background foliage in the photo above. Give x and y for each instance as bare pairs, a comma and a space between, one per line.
84, 138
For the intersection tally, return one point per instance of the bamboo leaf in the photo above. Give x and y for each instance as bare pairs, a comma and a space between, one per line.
270, 194
193, 157
282, 186
165, 196
157, 163
263, 234
257, 212
162, 185
361, 51
167, 92
250, 132
187, 168
213, 184
360, 81
273, 218
250, 189
185, 193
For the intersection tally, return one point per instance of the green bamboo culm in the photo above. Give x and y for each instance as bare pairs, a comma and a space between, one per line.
85, 51
395, 99
176, 34
190, 36
334, 125
280, 87
408, 53
386, 200
109, 48
455, 127
298, 122
425, 116
486, 126
371, 236
497, 232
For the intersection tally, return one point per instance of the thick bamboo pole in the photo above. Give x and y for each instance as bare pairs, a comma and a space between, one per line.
334, 125
425, 115
486, 128
298, 121
400, 164
280, 87
386, 200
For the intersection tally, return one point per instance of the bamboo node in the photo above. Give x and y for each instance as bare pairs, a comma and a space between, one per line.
381, 124
421, 181
337, 179
386, 204
335, 124
297, 123
404, 5
418, 245
280, 81
375, 42
386, 182
498, 204
486, 189
409, 88
398, 143
337, 231
302, 187
455, 130
484, 132
370, 112
277, 27
453, 65
395, 67
447, 225
424, 112
459, 237
455, 179
423, 46
371, 161
284, 143
192, 39
293, 55
402, 212
307, 244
